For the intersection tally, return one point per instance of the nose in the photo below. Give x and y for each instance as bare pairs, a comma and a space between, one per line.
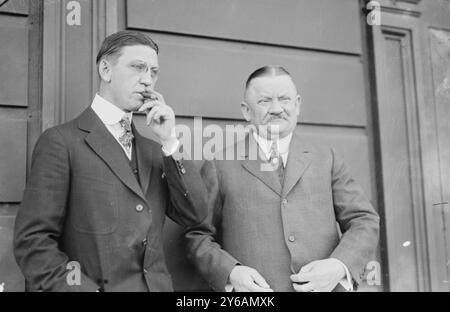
147, 79
275, 107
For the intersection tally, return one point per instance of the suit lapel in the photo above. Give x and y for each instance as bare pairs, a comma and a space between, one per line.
144, 159
108, 149
254, 166
299, 159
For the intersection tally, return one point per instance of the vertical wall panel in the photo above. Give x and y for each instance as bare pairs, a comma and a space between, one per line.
440, 58
78, 65
396, 168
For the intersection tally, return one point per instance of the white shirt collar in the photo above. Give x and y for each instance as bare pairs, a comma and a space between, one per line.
109, 113
265, 144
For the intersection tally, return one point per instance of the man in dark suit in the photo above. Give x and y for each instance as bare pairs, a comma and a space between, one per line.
98, 192
272, 216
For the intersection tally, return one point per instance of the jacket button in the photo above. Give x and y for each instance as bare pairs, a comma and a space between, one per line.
285, 201
145, 271
292, 238
144, 242
163, 175
139, 208
183, 171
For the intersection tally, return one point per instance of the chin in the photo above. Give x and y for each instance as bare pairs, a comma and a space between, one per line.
281, 132
277, 127
135, 105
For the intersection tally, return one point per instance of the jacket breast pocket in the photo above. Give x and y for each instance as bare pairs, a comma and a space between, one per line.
93, 205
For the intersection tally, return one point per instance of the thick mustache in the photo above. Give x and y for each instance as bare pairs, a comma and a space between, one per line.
273, 117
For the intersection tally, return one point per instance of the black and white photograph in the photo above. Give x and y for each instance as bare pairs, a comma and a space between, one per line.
224, 146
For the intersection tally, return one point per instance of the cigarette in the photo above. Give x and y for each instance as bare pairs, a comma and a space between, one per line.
149, 96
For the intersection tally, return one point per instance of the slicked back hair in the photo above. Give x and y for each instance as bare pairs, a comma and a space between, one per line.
265, 71
113, 44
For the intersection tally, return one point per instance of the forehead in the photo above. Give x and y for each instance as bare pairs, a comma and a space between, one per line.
139, 53
272, 84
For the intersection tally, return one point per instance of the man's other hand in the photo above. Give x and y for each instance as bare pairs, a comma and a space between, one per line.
246, 279
320, 275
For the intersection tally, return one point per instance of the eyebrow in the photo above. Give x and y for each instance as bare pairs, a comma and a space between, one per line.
263, 98
140, 62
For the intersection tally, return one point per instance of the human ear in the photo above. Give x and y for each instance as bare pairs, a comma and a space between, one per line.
104, 70
245, 109
298, 103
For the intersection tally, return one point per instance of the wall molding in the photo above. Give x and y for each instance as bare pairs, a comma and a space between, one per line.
52, 64
395, 10
402, 7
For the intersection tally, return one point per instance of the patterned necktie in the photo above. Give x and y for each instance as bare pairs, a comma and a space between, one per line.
127, 136
276, 160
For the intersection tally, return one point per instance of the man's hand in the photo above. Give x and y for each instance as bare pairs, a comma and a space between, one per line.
160, 117
245, 279
320, 275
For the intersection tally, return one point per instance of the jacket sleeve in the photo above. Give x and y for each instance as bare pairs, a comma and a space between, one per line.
213, 263
357, 219
40, 219
187, 193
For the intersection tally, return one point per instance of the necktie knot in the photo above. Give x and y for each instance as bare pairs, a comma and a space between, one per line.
127, 135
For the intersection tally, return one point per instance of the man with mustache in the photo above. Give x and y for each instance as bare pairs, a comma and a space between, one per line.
272, 221
98, 192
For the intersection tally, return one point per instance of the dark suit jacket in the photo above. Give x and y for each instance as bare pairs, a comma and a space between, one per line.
276, 227
83, 203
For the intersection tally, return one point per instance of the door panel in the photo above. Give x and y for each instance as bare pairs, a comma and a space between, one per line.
440, 63
14, 61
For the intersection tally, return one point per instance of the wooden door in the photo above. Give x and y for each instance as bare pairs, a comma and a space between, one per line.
412, 53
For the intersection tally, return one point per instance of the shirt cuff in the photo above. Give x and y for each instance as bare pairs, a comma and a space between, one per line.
170, 149
346, 281
229, 288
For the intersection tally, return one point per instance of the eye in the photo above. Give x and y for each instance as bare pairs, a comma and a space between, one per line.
139, 67
264, 101
155, 72
284, 99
